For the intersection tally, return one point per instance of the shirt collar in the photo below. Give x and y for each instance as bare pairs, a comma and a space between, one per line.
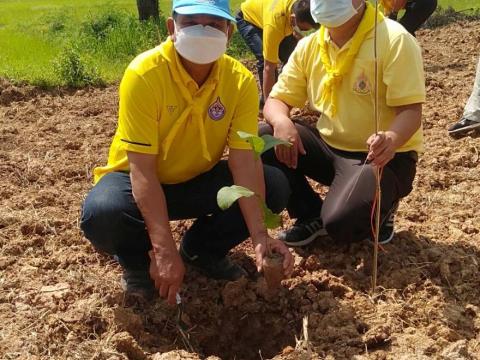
332, 45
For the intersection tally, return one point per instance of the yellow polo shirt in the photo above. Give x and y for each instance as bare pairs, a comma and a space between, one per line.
163, 112
401, 82
273, 16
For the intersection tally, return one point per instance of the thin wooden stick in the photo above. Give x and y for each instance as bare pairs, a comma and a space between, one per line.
378, 191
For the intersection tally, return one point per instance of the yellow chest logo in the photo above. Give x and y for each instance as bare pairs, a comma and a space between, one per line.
362, 85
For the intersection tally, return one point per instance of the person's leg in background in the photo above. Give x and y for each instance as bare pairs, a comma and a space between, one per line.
253, 37
416, 13
472, 108
470, 119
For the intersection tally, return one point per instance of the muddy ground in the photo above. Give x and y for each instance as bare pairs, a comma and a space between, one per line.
60, 299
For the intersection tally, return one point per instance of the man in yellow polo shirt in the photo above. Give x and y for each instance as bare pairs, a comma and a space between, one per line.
181, 104
334, 70
271, 29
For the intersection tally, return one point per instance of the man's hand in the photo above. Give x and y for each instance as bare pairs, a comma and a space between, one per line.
288, 155
381, 147
274, 246
167, 271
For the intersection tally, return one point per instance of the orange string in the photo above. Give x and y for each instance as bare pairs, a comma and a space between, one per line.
372, 212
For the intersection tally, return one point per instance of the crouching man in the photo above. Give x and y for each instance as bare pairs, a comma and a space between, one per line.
334, 69
181, 105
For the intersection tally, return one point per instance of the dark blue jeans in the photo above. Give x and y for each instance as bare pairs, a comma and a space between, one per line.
113, 223
253, 37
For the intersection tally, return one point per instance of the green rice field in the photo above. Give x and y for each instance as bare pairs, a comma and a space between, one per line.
40, 39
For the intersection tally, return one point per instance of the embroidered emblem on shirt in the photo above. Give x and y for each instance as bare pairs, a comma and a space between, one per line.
171, 108
362, 85
216, 111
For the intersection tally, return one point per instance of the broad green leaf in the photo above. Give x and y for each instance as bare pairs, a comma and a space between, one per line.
271, 220
255, 142
227, 195
271, 141
244, 135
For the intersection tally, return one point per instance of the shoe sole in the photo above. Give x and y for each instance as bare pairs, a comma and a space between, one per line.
321, 232
386, 241
464, 129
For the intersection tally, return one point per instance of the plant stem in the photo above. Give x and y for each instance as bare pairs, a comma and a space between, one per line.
268, 251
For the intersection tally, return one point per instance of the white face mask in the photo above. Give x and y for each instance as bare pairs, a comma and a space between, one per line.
332, 13
200, 44
300, 31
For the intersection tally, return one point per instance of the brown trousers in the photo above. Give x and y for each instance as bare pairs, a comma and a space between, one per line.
345, 213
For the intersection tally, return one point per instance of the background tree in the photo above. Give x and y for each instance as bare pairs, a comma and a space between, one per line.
147, 9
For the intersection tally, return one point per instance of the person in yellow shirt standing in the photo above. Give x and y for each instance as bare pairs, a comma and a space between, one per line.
271, 29
181, 104
334, 70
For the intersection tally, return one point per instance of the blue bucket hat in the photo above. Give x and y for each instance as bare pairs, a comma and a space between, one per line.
219, 8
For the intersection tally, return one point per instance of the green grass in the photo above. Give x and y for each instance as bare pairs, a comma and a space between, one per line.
40, 38
460, 4
24, 24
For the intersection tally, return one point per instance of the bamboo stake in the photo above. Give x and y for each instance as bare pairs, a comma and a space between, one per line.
378, 191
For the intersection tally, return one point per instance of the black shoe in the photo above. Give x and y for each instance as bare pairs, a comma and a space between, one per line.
463, 126
387, 230
138, 284
303, 232
223, 269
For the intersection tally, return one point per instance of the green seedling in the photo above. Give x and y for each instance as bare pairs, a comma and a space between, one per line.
227, 195
261, 144
272, 263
